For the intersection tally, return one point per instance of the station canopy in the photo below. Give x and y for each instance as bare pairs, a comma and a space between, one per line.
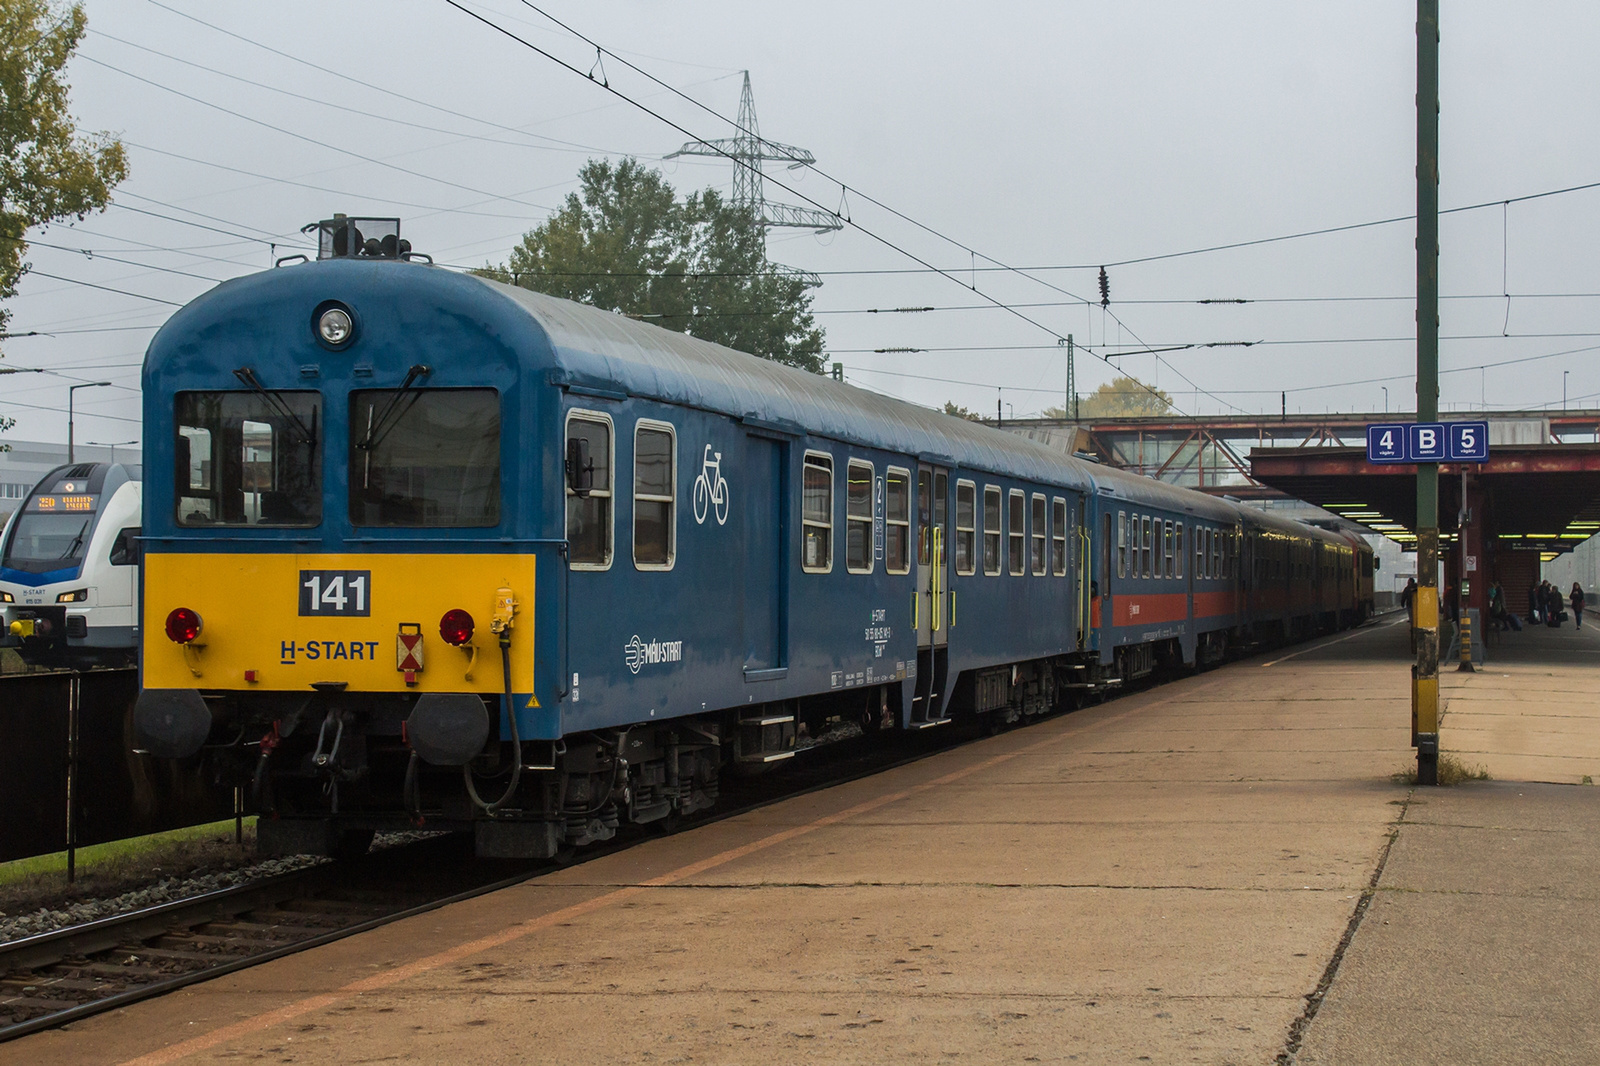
1544, 497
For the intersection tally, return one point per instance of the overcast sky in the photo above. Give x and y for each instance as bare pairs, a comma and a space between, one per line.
1062, 134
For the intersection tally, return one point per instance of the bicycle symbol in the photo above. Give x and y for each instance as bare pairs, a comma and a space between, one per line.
711, 488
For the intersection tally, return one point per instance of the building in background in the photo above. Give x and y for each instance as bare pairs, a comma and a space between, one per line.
29, 460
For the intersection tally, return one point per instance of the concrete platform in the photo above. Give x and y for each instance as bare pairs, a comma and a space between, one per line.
1166, 878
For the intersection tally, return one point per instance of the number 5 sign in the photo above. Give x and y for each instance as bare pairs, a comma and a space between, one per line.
1469, 441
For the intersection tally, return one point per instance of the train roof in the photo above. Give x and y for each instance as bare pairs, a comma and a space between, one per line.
602, 349
1147, 491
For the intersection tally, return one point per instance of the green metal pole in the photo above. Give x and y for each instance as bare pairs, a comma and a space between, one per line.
1425, 675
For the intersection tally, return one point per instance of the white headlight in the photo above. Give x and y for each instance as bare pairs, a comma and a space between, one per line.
335, 325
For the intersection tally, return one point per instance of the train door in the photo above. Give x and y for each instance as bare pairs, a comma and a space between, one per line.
1082, 572
766, 569
933, 599
1107, 548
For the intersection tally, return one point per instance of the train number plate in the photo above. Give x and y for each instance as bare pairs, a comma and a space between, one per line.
335, 592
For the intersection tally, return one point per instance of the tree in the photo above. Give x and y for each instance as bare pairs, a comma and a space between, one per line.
625, 242
47, 171
1122, 397
961, 412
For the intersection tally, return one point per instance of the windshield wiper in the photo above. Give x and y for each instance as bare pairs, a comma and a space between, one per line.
276, 402
77, 542
380, 428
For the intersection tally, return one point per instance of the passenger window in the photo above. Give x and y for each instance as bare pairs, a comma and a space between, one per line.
125, 549
1122, 544
966, 527
654, 495
1016, 531
991, 530
897, 515
589, 529
1199, 551
1177, 544
816, 515
1166, 536
1041, 536
1148, 547
858, 518
1058, 533
924, 516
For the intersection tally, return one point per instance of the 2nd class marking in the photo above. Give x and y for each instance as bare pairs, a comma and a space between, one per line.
316, 650
878, 632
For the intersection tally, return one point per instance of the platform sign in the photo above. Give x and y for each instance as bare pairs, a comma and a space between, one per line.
1428, 442
1386, 443
1469, 442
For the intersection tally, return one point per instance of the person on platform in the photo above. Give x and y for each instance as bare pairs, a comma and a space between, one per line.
1408, 598
1552, 606
1498, 615
1576, 599
1535, 604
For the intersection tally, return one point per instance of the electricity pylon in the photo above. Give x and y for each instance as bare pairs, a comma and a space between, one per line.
749, 150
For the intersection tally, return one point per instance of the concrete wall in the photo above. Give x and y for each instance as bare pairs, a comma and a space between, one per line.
1581, 565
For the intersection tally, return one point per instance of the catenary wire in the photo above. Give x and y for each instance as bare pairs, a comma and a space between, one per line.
789, 189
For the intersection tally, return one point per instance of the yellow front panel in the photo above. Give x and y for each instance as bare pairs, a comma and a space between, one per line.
251, 609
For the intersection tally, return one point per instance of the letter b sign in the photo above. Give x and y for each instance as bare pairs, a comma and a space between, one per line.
1427, 442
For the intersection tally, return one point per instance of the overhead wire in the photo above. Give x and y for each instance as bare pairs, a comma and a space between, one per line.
604, 85
308, 139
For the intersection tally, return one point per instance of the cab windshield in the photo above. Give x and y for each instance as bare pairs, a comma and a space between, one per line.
248, 458
41, 543
57, 520
425, 457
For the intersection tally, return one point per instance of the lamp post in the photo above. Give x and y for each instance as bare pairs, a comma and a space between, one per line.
70, 390
112, 444
1385, 389
1564, 374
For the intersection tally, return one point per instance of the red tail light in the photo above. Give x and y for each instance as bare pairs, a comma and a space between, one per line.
183, 625
456, 627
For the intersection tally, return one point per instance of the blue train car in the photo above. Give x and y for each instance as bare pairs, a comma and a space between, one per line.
428, 549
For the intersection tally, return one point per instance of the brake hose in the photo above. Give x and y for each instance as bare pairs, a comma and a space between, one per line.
516, 737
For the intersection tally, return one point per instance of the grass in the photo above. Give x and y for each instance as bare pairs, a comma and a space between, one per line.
104, 869
1452, 771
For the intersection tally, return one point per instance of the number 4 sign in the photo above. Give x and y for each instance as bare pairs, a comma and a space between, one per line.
1386, 443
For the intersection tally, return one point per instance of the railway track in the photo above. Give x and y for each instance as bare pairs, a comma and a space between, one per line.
63, 976
58, 977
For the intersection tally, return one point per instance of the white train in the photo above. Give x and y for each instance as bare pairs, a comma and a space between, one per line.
69, 568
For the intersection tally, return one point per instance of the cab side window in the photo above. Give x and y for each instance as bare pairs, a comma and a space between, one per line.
588, 491
991, 529
125, 549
